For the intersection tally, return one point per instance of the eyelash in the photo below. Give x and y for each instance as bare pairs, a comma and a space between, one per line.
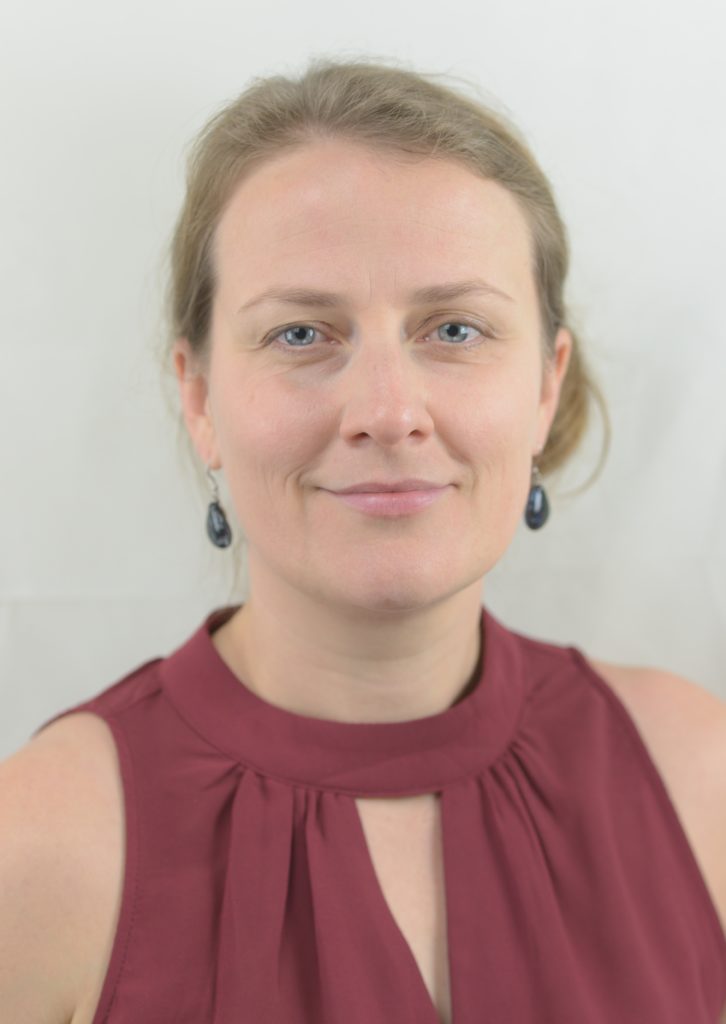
271, 339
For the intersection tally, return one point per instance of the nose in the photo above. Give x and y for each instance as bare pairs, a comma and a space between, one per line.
385, 393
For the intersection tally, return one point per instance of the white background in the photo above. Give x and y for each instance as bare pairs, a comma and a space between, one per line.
104, 559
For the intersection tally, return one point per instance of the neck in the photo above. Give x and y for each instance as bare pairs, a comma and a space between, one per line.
354, 664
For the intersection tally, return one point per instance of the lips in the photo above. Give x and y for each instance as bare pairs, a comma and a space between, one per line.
391, 503
381, 487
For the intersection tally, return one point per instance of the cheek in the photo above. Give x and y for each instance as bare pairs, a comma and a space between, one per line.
494, 431
495, 418
267, 433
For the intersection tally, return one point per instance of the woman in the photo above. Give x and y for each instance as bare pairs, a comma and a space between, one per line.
359, 796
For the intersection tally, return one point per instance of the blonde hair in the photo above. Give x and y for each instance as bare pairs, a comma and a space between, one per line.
389, 108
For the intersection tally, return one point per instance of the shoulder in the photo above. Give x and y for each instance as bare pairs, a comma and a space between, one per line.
78, 736
61, 793
659, 682
683, 726
683, 722
69, 773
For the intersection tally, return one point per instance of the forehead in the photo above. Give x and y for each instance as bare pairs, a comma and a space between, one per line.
342, 209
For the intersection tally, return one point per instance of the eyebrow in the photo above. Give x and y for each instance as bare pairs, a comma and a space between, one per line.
423, 296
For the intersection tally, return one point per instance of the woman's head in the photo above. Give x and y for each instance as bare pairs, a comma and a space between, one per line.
372, 183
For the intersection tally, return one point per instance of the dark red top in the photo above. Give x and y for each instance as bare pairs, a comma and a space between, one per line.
573, 896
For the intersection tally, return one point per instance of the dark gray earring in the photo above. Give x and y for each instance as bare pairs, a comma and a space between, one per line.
538, 508
218, 529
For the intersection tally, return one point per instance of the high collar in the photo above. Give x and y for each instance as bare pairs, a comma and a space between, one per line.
361, 758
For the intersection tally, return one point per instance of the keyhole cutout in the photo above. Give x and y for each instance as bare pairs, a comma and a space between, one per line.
404, 840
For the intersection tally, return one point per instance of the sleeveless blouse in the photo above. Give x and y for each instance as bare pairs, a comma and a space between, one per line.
250, 897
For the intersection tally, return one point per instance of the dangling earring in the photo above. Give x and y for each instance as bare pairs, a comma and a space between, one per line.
218, 529
538, 508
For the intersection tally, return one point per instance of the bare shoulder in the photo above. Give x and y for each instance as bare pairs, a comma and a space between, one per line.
672, 693
70, 771
683, 726
62, 792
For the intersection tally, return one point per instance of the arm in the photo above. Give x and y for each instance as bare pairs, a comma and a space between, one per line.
684, 727
37, 978
694, 725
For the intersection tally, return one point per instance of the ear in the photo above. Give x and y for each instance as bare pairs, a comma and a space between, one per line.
552, 379
194, 395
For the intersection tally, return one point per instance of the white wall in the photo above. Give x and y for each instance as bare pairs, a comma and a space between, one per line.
104, 560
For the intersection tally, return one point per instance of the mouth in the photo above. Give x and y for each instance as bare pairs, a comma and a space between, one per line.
391, 503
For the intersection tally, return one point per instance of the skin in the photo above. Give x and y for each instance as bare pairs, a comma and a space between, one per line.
352, 617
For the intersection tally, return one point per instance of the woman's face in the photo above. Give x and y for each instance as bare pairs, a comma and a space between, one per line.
305, 397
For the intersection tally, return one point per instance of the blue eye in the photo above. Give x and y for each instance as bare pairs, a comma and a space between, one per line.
458, 323
300, 340
297, 327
